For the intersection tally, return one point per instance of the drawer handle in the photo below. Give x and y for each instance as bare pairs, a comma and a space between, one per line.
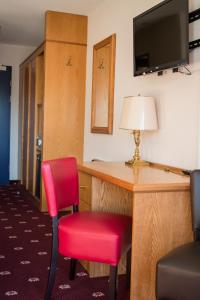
83, 187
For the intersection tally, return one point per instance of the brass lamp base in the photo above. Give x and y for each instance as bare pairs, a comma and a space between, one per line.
136, 163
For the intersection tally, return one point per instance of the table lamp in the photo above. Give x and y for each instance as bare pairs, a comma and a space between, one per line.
138, 114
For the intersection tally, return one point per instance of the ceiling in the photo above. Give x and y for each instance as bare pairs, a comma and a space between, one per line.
22, 21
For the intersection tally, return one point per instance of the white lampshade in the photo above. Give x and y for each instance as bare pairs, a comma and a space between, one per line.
139, 113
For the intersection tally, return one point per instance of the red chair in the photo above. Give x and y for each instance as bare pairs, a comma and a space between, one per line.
93, 236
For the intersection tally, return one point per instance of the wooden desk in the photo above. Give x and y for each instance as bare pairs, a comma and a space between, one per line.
159, 203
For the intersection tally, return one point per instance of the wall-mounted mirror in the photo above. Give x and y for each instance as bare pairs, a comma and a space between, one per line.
103, 85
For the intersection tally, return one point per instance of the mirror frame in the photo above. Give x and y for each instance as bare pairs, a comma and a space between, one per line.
111, 40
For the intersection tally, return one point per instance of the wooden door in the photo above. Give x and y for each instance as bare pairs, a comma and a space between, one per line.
64, 100
24, 116
31, 126
39, 98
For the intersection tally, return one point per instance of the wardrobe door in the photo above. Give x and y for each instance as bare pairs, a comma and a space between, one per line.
25, 104
64, 100
31, 126
20, 121
39, 97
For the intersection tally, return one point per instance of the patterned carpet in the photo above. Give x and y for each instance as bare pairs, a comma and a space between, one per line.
25, 246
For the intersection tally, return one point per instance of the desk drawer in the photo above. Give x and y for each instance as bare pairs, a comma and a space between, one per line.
85, 187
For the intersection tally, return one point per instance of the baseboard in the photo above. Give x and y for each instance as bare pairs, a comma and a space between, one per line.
14, 182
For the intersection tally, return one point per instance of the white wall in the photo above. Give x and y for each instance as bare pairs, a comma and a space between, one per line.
177, 141
13, 55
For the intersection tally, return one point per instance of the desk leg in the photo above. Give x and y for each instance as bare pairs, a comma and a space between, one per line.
161, 222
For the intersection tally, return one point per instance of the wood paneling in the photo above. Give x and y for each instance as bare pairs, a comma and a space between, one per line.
39, 98
31, 135
21, 120
39, 82
85, 184
28, 125
38, 51
25, 125
64, 100
65, 27
108, 198
161, 222
84, 206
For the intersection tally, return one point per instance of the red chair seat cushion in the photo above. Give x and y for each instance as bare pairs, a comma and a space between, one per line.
94, 236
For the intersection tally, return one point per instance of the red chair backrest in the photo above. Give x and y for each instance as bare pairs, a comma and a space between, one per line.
60, 177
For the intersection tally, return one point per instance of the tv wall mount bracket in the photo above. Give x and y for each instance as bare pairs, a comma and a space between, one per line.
194, 16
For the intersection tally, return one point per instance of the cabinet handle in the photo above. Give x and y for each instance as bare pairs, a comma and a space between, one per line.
83, 187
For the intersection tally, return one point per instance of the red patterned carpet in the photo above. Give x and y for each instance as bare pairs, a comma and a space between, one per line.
25, 246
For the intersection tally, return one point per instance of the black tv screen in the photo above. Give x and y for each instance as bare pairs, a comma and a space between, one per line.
161, 37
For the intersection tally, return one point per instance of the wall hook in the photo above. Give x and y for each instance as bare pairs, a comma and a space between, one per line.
101, 64
69, 62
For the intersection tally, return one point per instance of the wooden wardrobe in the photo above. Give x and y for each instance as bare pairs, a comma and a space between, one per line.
52, 99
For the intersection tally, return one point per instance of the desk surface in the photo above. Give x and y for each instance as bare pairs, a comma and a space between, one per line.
136, 179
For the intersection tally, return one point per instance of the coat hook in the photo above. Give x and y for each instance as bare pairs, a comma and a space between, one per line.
101, 64
69, 62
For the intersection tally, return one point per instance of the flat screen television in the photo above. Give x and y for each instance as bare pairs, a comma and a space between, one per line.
160, 37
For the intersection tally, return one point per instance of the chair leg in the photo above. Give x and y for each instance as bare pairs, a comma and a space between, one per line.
54, 255
72, 271
113, 283
128, 268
